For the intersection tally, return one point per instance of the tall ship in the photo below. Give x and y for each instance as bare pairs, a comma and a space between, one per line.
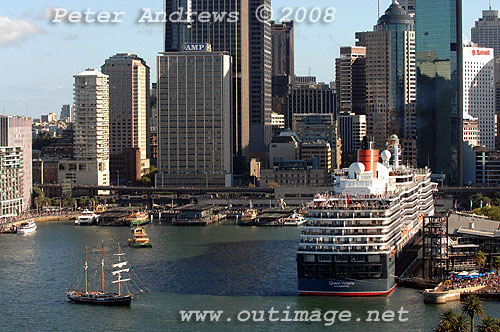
358, 237
101, 297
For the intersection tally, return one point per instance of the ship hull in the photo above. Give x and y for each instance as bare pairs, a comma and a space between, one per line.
354, 288
110, 301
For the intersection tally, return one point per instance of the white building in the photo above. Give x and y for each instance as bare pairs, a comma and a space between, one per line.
11, 181
479, 91
91, 138
471, 130
15, 131
195, 132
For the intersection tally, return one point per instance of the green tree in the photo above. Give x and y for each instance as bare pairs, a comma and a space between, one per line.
496, 264
447, 319
480, 260
472, 307
489, 324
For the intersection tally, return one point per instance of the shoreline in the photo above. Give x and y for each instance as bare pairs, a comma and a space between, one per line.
47, 219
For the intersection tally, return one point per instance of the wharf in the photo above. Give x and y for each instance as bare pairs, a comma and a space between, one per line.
416, 283
114, 218
274, 216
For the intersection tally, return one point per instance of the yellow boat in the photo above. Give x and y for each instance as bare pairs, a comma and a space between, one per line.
139, 238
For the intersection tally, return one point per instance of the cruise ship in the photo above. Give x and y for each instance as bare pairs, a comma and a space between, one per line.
366, 231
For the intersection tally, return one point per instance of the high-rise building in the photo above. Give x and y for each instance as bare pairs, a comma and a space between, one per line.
283, 67
248, 41
177, 32
390, 74
12, 184
15, 131
317, 98
439, 95
409, 6
91, 130
67, 113
479, 91
283, 48
350, 80
352, 130
129, 102
195, 145
486, 32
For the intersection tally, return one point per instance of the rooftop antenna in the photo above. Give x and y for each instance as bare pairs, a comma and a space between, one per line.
378, 10
490, 5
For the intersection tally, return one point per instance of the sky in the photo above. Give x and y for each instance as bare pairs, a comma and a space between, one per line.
39, 58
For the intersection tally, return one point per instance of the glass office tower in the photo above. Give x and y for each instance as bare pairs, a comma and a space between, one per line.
439, 95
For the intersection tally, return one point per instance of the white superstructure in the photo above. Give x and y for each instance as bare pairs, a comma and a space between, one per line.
479, 91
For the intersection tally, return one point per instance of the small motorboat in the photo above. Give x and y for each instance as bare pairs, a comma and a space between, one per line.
87, 218
27, 227
295, 219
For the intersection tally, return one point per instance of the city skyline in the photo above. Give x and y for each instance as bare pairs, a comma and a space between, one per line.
66, 46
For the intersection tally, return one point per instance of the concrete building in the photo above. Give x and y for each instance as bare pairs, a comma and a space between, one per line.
479, 91
317, 98
248, 40
67, 113
352, 129
486, 30
319, 149
46, 170
282, 34
129, 102
49, 118
471, 130
195, 143
15, 131
409, 6
91, 131
295, 173
304, 80
350, 80
278, 123
481, 167
12, 181
286, 146
390, 74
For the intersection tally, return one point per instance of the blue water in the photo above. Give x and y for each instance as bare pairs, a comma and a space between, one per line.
224, 267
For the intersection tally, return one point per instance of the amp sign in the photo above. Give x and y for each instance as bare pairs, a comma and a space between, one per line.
196, 47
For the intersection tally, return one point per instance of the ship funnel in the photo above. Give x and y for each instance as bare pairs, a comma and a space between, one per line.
368, 156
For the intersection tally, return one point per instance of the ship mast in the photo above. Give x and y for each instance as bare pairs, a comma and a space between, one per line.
85, 268
102, 267
118, 272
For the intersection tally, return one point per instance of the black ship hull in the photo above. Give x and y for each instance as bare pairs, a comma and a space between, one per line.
110, 300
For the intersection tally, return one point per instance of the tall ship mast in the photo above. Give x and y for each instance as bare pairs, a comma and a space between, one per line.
358, 237
102, 297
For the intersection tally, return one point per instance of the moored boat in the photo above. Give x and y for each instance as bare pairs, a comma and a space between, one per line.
295, 219
10, 229
87, 218
139, 239
138, 219
27, 227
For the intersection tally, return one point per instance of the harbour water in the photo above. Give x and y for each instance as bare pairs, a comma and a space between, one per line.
224, 267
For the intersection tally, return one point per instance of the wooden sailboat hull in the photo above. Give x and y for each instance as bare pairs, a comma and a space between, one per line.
101, 299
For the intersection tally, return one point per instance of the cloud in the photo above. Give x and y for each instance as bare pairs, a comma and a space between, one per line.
14, 31
47, 14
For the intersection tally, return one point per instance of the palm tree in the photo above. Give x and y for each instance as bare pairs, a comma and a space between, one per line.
480, 260
489, 324
472, 306
460, 324
447, 319
496, 264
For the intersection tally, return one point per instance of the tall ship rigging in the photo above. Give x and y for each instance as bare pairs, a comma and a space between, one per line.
118, 298
366, 231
